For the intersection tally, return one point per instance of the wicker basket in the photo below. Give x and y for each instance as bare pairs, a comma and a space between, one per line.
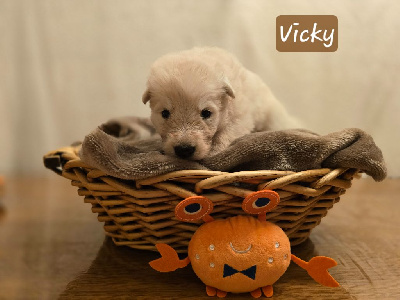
140, 213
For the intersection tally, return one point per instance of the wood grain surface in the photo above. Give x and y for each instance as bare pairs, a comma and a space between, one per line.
52, 246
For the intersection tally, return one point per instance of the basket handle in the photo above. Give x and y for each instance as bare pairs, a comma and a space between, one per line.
55, 160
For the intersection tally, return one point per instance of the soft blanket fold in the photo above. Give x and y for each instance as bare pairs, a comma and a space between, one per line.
129, 148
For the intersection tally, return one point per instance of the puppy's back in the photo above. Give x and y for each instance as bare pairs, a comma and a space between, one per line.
211, 59
254, 102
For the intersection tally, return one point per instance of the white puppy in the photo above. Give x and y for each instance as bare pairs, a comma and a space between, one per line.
202, 99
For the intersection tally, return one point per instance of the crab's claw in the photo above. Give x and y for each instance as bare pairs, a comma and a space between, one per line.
169, 260
317, 268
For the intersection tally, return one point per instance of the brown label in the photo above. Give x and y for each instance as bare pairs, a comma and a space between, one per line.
306, 33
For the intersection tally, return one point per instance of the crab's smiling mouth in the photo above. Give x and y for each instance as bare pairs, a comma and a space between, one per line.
240, 251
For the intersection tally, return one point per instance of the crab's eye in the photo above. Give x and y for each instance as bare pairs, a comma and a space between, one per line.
206, 114
165, 113
193, 208
260, 202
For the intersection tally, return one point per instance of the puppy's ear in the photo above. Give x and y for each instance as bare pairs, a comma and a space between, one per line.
146, 96
228, 88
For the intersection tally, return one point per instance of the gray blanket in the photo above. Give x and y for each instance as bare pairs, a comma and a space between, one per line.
129, 148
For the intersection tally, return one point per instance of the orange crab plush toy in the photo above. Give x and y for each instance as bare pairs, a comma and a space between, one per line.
239, 254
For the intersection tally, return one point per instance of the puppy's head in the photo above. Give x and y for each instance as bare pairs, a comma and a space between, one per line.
188, 107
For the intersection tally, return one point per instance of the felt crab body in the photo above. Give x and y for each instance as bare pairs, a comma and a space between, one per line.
239, 254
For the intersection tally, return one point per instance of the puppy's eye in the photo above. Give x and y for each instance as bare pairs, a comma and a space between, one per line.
165, 113
205, 113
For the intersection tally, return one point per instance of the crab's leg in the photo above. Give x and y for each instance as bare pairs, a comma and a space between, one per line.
256, 293
317, 268
212, 291
268, 291
221, 294
169, 260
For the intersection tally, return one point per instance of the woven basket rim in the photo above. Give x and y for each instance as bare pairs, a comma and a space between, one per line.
53, 161
137, 213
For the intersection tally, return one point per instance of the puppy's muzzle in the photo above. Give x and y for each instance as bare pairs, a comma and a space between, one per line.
184, 151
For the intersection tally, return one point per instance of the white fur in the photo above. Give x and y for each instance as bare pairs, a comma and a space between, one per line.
187, 82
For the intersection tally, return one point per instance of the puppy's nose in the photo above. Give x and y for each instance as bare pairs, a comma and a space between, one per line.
184, 151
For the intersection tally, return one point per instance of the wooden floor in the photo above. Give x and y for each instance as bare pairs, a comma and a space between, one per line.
52, 246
